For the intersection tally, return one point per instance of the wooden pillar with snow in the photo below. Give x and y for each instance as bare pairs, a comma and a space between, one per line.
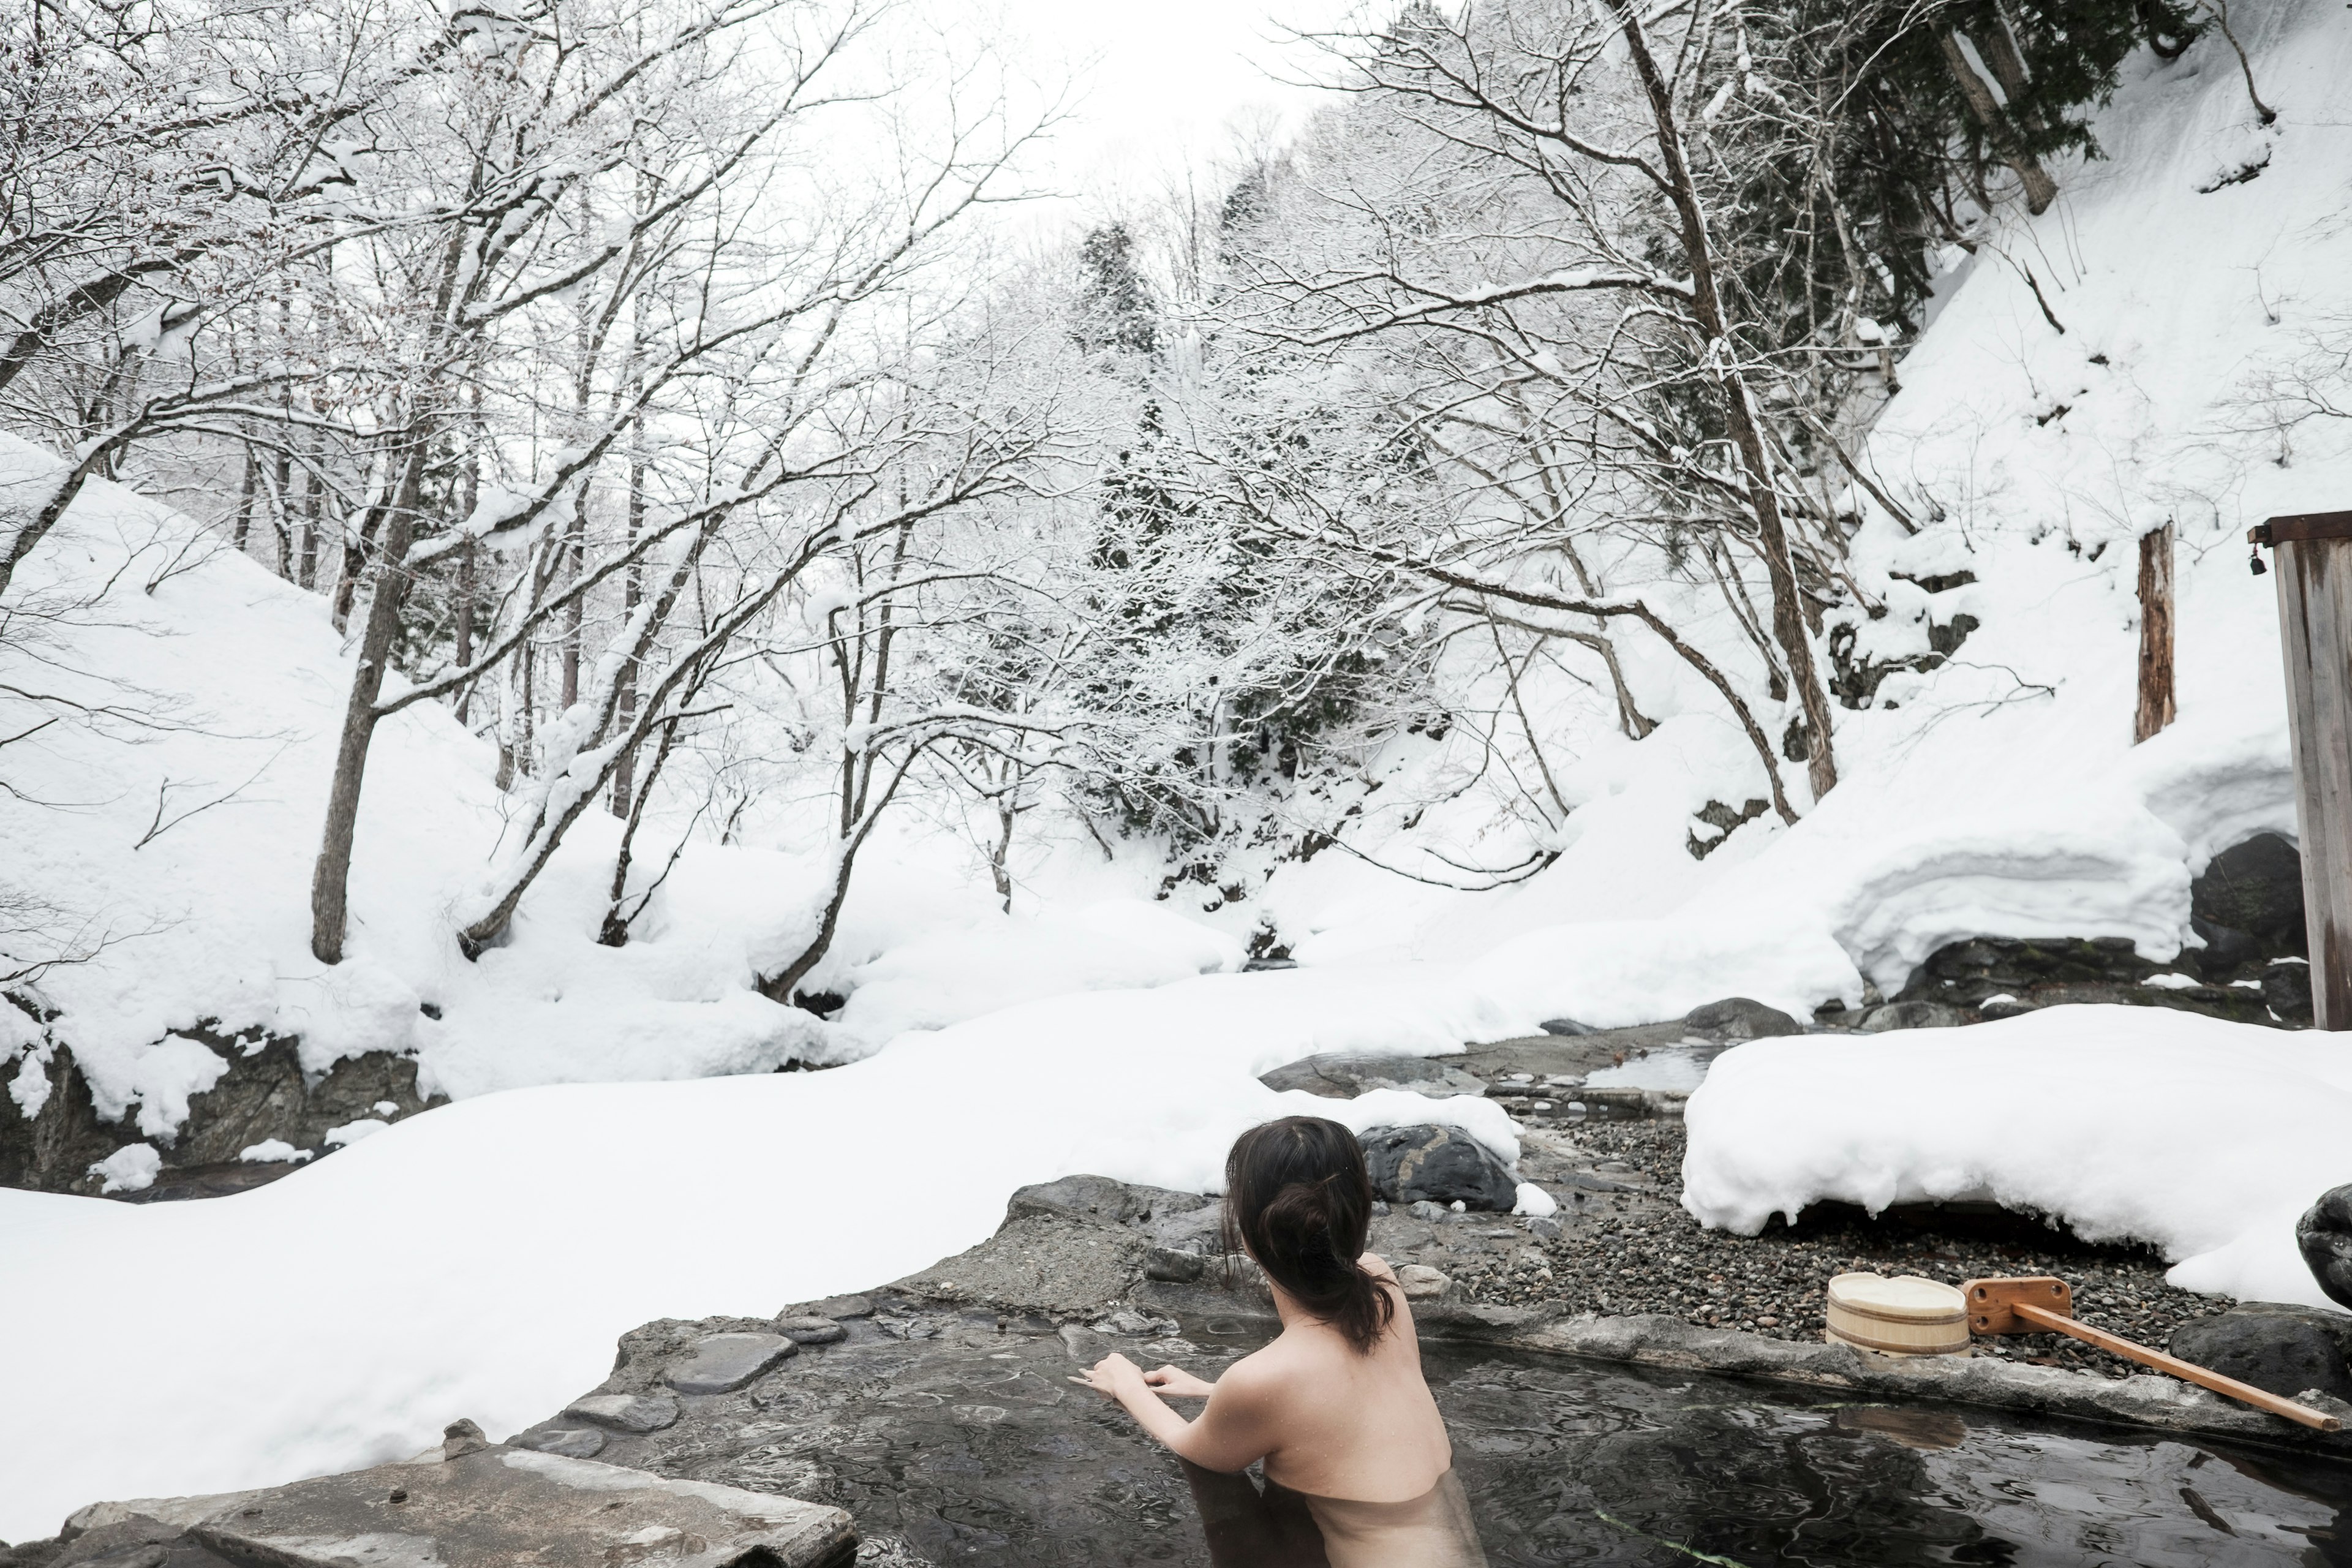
2313, 552
2156, 708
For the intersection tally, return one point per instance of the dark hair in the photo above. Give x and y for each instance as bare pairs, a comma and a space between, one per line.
1298, 1200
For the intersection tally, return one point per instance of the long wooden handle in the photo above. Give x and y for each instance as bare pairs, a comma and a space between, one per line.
2187, 1372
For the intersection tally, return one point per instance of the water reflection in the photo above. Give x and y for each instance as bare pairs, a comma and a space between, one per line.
969, 1448
1634, 1469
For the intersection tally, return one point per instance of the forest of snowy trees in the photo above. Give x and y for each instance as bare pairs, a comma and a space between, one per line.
660, 388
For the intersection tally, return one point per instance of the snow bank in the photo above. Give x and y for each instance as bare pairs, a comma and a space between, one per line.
961, 971
2203, 1138
480, 1259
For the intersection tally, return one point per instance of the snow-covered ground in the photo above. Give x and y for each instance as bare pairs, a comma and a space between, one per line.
2204, 1138
479, 1260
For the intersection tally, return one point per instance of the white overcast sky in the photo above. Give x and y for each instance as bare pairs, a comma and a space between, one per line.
1161, 83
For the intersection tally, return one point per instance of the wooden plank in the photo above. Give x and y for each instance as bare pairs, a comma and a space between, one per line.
2314, 596
2303, 525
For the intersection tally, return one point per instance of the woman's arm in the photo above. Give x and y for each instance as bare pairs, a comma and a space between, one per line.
1231, 1435
1175, 1383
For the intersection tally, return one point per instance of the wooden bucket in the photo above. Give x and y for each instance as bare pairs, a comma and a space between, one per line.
1907, 1315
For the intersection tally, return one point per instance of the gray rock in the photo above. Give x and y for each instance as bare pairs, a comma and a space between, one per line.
2249, 902
1195, 1230
625, 1412
1912, 1015
572, 1442
1422, 1283
1085, 1346
1442, 1164
1343, 1075
1097, 1198
1545, 1228
1740, 1019
462, 1437
812, 1330
1168, 1265
2286, 989
1054, 1262
1426, 1210
722, 1363
495, 1508
843, 1308
2323, 1235
2280, 1348
1568, 1026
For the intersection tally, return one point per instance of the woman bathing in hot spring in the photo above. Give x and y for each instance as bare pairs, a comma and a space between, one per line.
1359, 1470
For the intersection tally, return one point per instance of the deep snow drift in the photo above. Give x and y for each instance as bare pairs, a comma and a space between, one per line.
2204, 1138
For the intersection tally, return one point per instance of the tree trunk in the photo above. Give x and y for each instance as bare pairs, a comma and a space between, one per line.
2040, 190
244, 529
2155, 705
309, 569
575, 551
632, 595
281, 499
1772, 541
354, 559
781, 985
2000, 51
1000, 853
330, 878
467, 587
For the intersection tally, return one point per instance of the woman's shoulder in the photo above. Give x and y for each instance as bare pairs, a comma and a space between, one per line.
1373, 1264
1262, 1375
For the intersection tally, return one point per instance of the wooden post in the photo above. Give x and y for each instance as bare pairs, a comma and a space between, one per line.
2313, 550
2155, 709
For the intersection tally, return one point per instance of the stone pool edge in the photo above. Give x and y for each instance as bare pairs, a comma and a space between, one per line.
2149, 1400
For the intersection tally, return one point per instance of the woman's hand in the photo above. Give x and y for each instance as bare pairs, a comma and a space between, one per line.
1115, 1377
1175, 1383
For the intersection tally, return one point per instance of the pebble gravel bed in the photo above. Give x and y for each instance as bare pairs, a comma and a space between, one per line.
1657, 1259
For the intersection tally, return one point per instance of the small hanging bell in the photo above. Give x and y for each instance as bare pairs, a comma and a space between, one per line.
2254, 564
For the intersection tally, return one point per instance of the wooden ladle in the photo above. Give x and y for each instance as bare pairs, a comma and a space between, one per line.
2039, 1303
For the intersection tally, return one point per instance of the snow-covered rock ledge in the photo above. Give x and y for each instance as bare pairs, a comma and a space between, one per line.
2204, 1139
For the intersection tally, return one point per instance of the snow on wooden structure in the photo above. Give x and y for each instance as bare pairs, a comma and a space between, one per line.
2315, 597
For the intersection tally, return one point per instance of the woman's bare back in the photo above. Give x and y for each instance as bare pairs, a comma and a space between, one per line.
1345, 1425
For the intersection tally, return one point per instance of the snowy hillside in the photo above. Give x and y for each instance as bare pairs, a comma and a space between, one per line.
480, 1259
166, 849
2001, 793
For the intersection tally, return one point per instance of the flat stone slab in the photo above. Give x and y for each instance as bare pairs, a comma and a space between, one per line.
722, 1363
624, 1412
497, 1507
1343, 1075
1039, 1264
811, 1330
